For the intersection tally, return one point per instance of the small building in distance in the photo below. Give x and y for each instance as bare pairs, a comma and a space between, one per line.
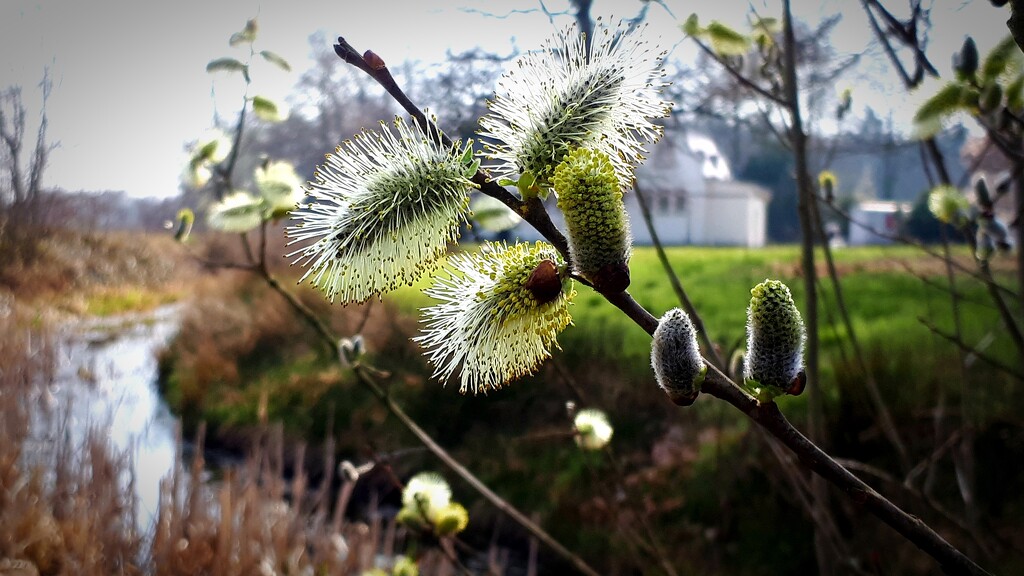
877, 221
691, 195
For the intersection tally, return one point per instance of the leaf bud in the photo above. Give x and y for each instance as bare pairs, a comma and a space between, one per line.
965, 62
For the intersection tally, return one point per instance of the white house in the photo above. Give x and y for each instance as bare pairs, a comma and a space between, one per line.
692, 197
883, 217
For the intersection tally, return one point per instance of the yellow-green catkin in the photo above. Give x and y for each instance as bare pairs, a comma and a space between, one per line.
590, 198
775, 342
675, 357
451, 520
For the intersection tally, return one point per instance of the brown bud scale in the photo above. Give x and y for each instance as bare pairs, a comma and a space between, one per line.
544, 283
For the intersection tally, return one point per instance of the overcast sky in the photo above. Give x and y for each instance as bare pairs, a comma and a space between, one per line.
130, 85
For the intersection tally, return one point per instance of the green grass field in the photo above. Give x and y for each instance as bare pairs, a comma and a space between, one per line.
885, 300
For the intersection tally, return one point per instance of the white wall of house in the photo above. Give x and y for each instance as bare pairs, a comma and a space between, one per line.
735, 214
881, 216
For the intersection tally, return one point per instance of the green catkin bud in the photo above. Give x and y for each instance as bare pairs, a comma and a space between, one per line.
590, 197
426, 494
593, 431
411, 517
827, 184
185, 219
775, 342
675, 357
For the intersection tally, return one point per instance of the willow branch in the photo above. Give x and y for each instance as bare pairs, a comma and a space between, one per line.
530, 210
923, 247
716, 384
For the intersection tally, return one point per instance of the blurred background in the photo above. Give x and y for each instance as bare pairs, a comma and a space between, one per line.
166, 411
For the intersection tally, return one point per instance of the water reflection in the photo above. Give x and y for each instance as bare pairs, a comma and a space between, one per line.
105, 381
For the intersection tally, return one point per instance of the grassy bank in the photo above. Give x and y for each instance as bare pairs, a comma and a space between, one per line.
708, 483
68, 272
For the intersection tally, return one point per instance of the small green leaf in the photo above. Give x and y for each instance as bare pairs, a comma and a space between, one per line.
763, 31
276, 60
226, 65
471, 169
506, 182
237, 212
207, 151
991, 97
467, 155
951, 98
266, 109
1000, 59
727, 42
692, 26
185, 219
247, 35
768, 24
527, 185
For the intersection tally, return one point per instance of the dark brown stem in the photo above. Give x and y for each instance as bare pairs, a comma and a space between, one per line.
805, 207
227, 173
959, 343
1018, 193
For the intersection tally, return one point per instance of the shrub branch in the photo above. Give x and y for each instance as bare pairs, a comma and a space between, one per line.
716, 383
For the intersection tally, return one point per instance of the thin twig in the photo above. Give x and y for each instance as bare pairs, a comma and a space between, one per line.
737, 75
673, 279
367, 379
885, 419
970, 349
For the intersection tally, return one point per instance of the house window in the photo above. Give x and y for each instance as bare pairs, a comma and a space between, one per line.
680, 204
663, 203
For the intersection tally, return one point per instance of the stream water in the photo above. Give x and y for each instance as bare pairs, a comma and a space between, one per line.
106, 381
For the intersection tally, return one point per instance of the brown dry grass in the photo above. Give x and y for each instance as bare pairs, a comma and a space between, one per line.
62, 508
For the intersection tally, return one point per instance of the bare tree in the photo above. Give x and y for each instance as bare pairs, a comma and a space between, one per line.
23, 176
